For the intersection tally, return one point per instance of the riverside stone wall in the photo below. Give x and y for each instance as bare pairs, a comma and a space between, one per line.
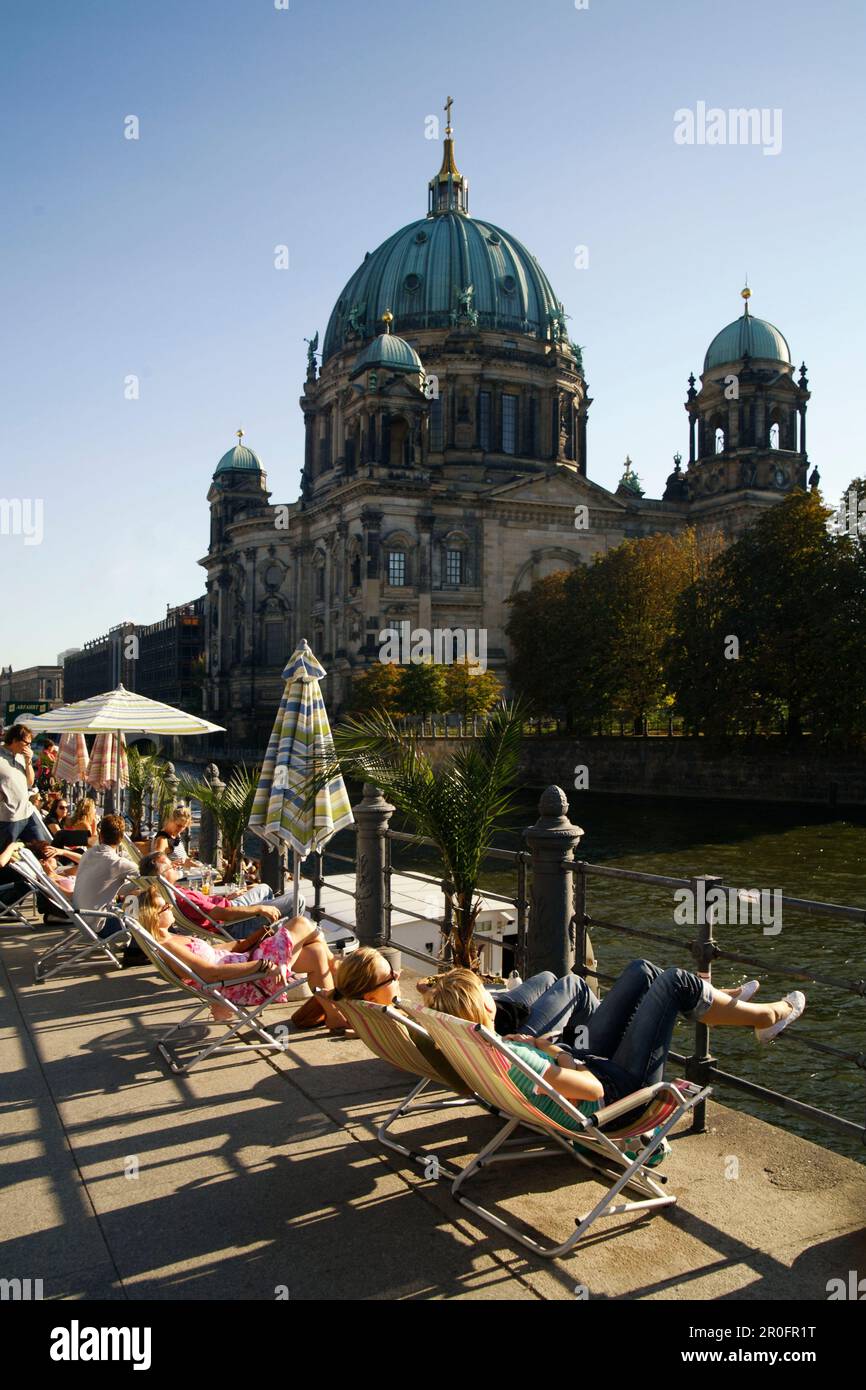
747, 770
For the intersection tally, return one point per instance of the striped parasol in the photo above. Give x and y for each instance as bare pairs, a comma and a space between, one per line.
299, 747
121, 711
108, 764
71, 764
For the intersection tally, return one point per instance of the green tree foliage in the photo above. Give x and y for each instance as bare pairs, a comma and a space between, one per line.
422, 688
469, 690
377, 688
792, 595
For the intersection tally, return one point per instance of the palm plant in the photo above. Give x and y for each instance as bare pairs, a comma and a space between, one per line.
458, 805
146, 776
231, 805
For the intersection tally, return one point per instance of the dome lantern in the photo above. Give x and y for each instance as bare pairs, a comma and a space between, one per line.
449, 190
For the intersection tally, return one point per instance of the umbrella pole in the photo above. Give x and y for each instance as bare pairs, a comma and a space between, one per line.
296, 883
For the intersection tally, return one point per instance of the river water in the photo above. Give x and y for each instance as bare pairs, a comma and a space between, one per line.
813, 853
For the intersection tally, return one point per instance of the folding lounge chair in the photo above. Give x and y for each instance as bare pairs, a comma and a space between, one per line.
129, 848
404, 1043
217, 929
484, 1060
204, 993
82, 940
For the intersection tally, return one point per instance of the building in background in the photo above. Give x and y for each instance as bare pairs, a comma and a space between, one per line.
170, 663
446, 464
102, 664
34, 690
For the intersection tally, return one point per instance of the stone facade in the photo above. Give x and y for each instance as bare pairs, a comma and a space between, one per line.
446, 469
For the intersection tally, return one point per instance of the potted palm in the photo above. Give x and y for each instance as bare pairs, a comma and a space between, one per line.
146, 778
459, 805
231, 805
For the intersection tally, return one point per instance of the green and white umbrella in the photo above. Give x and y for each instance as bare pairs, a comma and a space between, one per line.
121, 711
299, 748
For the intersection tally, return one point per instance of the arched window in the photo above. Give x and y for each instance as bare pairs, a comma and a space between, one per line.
318, 575
454, 570
775, 431
454, 567
720, 440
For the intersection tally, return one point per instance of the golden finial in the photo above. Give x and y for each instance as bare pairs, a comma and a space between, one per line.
746, 294
387, 319
448, 130
240, 435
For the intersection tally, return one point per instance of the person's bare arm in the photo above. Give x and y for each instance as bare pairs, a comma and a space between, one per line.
243, 914
250, 942
576, 1083
230, 970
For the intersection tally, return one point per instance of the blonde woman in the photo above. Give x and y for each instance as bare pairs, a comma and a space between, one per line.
169, 839
629, 1033
297, 946
79, 831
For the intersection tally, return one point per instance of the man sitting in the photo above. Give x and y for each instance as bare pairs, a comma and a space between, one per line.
234, 910
103, 870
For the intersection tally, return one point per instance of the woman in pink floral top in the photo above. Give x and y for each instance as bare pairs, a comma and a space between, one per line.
297, 946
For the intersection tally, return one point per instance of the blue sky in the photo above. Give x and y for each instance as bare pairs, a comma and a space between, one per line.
306, 127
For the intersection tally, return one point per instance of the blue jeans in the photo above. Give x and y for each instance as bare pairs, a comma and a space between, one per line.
556, 1007
629, 1034
255, 894
27, 829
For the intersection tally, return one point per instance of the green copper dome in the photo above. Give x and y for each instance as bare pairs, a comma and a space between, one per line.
422, 274
240, 459
444, 270
747, 335
389, 352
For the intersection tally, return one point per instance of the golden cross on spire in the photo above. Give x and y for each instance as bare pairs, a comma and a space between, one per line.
449, 103
240, 435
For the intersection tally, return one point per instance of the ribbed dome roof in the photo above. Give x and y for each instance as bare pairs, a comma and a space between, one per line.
390, 352
747, 335
420, 270
240, 459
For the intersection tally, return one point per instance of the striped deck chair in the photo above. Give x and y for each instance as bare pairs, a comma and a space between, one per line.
205, 993
130, 850
167, 889
484, 1061
82, 940
403, 1042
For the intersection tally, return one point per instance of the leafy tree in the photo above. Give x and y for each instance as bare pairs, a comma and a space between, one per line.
231, 806
469, 690
377, 688
422, 688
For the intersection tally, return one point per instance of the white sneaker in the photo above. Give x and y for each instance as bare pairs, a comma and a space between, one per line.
797, 1000
747, 990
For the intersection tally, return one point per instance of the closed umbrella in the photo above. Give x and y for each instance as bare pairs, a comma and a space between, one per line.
72, 759
300, 747
108, 766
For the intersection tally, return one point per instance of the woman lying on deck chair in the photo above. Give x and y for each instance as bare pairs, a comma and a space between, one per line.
627, 1036
541, 1006
297, 942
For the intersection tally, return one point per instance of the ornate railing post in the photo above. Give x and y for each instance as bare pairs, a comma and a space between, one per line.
209, 835
552, 841
372, 816
704, 950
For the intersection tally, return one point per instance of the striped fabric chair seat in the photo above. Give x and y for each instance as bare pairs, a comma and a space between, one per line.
484, 1061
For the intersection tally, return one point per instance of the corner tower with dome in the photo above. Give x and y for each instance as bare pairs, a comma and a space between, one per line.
445, 462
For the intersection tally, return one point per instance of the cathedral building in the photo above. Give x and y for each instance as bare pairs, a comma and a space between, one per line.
445, 464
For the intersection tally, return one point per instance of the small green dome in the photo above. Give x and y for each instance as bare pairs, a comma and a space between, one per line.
240, 459
747, 335
389, 352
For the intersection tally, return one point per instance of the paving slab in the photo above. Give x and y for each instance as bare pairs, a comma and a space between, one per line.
259, 1175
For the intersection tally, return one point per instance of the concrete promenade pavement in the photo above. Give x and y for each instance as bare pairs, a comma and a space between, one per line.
261, 1173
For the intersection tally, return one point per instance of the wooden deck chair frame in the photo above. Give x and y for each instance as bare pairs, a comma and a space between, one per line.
391, 1035
205, 993
478, 1055
82, 941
